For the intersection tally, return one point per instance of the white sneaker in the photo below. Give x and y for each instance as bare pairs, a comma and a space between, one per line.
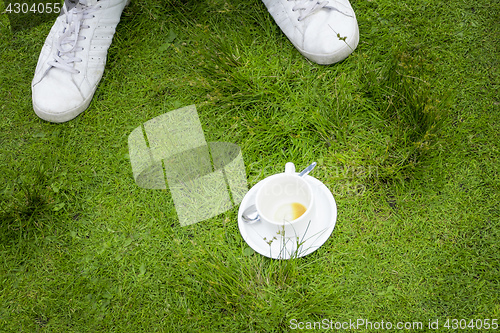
73, 57
325, 32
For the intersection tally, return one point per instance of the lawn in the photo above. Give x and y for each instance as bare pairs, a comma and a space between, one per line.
405, 132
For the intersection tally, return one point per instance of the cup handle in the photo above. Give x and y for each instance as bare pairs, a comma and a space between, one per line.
290, 168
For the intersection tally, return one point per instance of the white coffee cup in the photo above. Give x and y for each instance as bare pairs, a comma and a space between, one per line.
285, 201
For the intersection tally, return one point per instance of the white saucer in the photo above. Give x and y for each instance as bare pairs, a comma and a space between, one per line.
263, 238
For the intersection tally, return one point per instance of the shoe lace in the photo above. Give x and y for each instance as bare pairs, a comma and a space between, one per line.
309, 7
64, 53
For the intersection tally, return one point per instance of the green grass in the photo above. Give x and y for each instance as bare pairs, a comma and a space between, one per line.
405, 133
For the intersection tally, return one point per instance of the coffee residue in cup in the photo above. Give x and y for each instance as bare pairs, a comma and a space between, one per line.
290, 211
298, 209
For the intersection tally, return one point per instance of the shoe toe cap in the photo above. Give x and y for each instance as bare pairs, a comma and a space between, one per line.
57, 98
330, 39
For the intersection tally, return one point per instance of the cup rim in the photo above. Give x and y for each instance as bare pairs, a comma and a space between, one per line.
266, 219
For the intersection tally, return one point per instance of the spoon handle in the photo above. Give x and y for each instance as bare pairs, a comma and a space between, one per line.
307, 170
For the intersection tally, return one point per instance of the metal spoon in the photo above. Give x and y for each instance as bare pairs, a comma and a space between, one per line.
307, 170
250, 214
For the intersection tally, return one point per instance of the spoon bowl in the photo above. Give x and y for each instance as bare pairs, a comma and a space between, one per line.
250, 215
